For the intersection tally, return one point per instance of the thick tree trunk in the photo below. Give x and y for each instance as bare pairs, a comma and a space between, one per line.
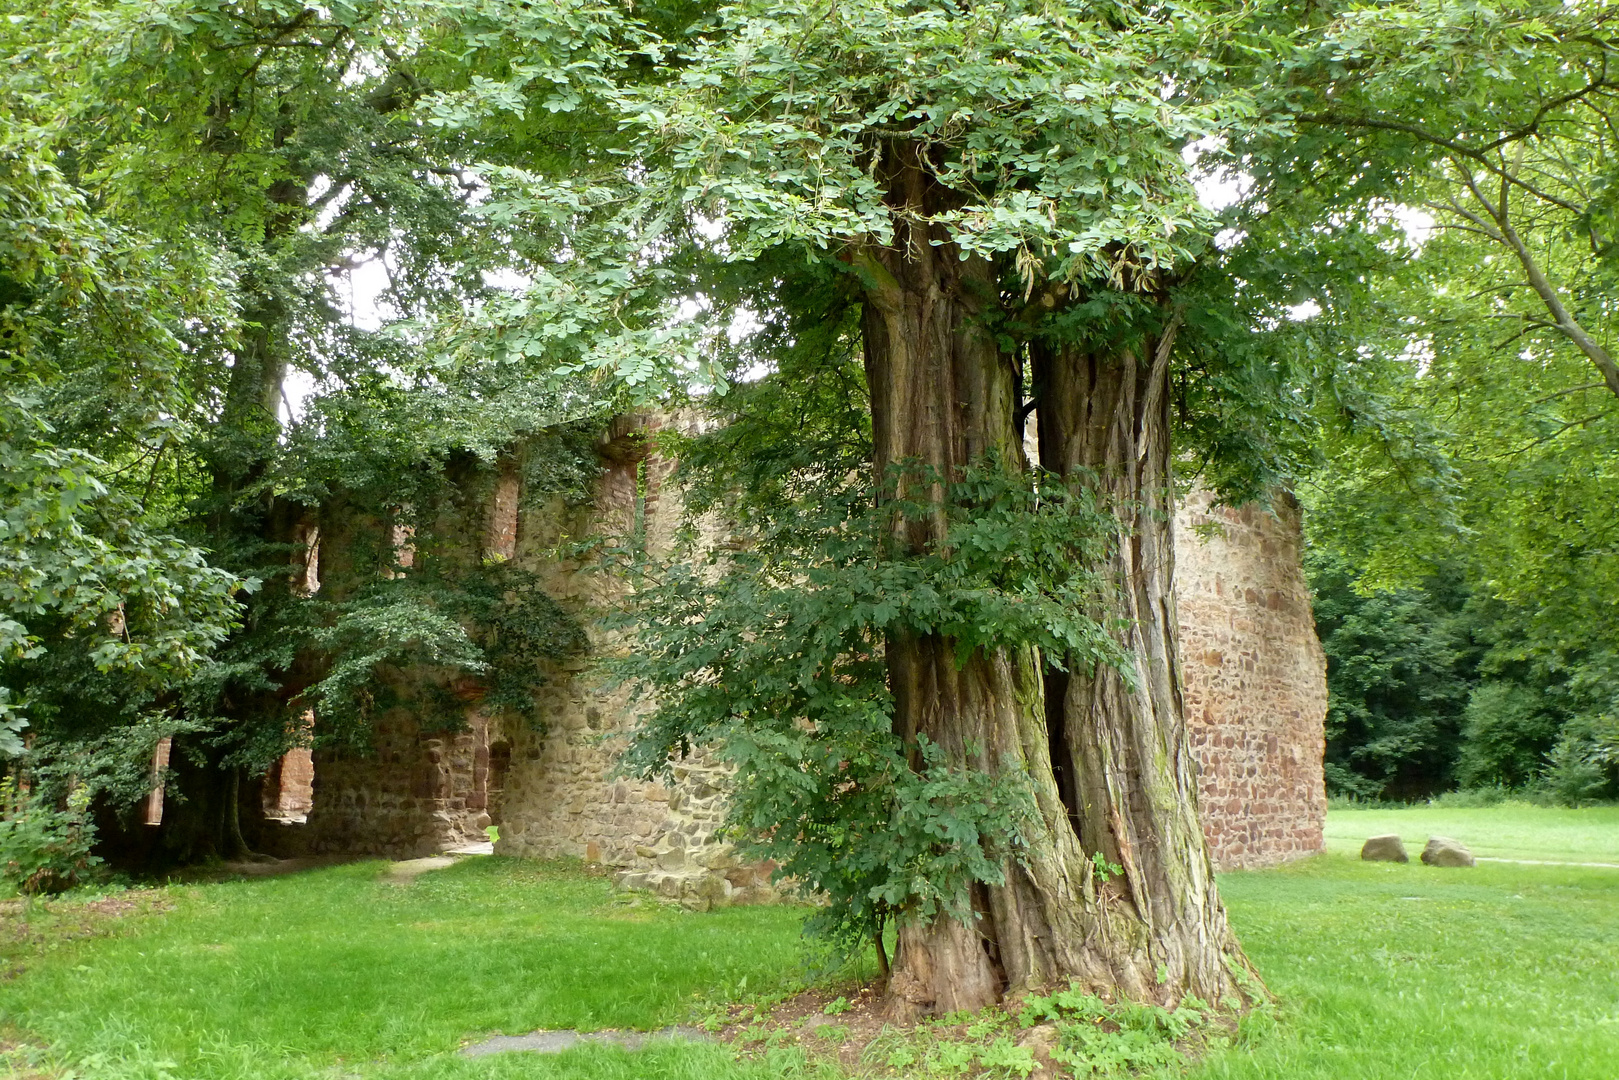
944, 395
1121, 745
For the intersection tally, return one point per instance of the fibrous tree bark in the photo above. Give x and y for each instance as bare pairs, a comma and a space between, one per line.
944, 395
1119, 744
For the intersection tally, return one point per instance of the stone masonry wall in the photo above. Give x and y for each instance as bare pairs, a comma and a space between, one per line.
1254, 678
562, 795
417, 793
1254, 681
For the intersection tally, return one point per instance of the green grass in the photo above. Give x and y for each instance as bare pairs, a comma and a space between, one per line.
1404, 972
333, 973
1506, 831
1383, 972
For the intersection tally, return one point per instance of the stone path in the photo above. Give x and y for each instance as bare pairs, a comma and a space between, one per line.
1549, 862
554, 1042
403, 873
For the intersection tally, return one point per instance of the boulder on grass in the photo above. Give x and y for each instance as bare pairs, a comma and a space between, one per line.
1385, 848
1443, 851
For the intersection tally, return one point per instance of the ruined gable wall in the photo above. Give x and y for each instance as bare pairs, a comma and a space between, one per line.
563, 796
1254, 679
420, 789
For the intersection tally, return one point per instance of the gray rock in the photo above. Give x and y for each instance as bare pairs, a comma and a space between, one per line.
1385, 848
1443, 851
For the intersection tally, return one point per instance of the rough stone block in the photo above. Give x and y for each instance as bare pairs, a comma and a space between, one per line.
1443, 851
1386, 848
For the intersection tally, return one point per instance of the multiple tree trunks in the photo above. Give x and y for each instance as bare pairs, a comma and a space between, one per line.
1108, 757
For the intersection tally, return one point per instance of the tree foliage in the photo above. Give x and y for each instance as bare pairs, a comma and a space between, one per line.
772, 651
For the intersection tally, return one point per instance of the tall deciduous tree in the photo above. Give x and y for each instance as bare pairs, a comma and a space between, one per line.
87, 572
1484, 447
241, 160
998, 183
1499, 121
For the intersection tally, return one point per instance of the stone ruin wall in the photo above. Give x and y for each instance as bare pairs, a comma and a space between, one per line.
1255, 687
1254, 680
563, 797
419, 791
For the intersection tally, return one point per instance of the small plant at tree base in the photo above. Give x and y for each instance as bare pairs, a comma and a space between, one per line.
1095, 1038
43, 849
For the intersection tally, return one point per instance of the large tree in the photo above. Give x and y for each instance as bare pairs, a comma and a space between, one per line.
1001, 190
1474, 435
191, 186
1496, 121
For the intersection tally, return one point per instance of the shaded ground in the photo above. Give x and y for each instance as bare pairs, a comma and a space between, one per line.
54, 924
845, 1034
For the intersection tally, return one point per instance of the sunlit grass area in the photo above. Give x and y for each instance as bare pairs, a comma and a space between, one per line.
1382, 972
1507, 831
1406, 972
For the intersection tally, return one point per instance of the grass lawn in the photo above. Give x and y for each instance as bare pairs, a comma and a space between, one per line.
334, 974
1383, 971
1508, 831
1405, 972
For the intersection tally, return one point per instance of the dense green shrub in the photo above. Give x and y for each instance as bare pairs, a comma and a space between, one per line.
43, 848
772, 650
1509, 731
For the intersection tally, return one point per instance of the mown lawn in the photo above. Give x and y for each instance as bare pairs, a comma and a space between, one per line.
1390, 972
1382, 971
1508, 831
334, 973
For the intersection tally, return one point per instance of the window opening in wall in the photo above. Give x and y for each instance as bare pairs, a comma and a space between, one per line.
289, 786
500, 532
500, 763
160, 762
